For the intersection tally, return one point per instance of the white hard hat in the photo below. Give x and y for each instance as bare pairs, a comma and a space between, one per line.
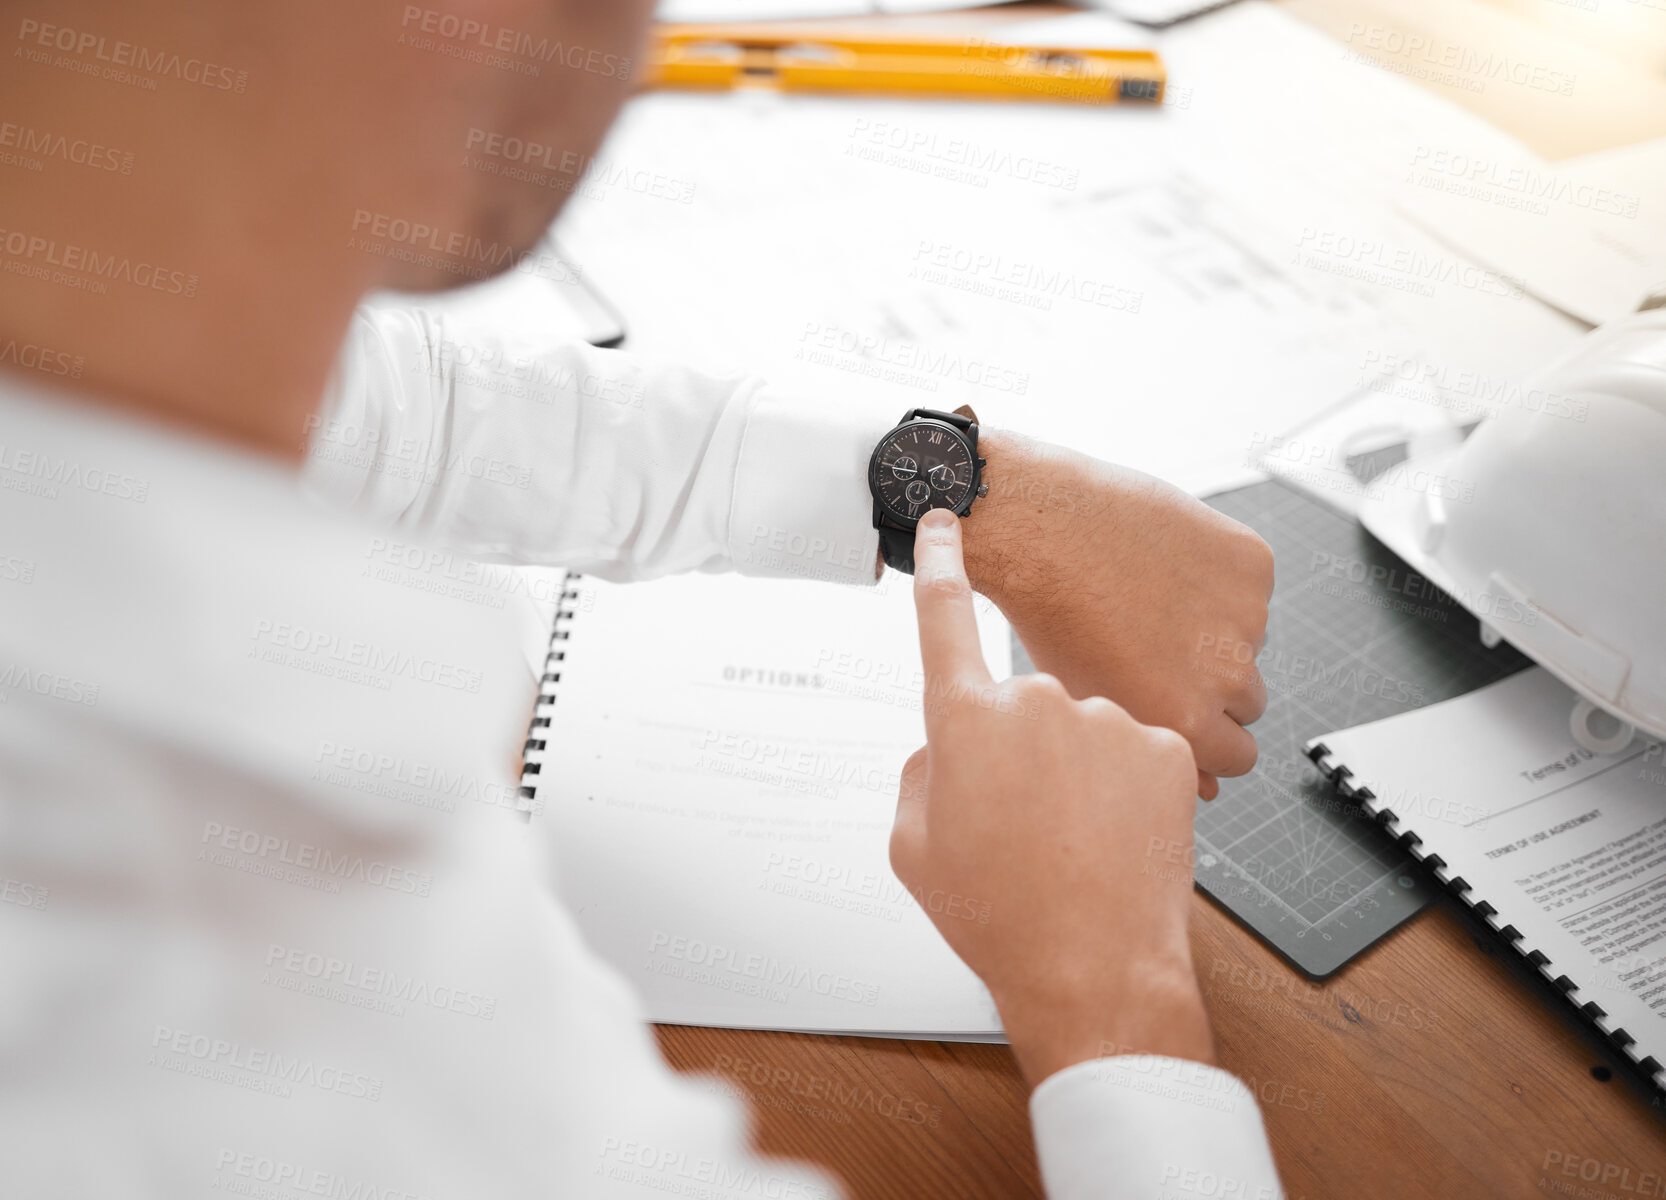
1549, 524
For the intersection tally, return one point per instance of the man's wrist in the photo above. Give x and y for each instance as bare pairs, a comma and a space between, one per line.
1005, 528
1152, 1009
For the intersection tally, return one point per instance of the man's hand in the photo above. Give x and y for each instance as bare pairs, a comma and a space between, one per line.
1071, 821
1125, 587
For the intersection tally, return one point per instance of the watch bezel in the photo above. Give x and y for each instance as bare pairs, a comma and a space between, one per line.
900, 520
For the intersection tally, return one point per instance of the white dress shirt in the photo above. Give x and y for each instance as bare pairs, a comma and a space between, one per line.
272, 920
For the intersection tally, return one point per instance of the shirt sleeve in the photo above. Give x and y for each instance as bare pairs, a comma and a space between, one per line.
507, 446
1146, 1126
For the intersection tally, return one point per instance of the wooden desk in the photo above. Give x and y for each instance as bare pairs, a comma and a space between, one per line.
1425, 1068
1430, 1066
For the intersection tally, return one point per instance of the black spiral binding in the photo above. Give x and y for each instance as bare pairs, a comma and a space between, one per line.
1592, 1013
537, 734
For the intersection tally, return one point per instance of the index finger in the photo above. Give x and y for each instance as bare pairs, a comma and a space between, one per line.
949, 647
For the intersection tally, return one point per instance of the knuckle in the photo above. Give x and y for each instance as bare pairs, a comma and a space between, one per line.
1250, 683
1041, 693
1098, 708
1042, 686
1175, 765
1174, 754
1188, 726
1258, 557
1230, 758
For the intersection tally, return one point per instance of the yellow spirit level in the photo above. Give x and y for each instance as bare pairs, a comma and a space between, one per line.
720, 57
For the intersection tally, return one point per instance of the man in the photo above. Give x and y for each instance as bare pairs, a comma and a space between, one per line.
237, 958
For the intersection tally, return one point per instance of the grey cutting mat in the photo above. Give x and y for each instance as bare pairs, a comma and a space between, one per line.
1354, 635
1316, 879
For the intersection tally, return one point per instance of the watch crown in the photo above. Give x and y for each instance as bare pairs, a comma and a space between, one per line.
983, 490
983, 462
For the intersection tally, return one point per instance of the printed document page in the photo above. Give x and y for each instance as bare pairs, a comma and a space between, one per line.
1568, 846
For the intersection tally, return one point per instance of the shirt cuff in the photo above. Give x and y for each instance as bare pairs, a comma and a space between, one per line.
1150, 1126
801, 502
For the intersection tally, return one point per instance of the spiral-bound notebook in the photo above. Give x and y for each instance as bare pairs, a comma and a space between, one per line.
718, 759
1560, 851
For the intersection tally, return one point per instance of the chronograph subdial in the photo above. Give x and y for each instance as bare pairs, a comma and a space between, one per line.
943, 477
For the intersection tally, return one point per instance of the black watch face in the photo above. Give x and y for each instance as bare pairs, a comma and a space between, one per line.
921, 467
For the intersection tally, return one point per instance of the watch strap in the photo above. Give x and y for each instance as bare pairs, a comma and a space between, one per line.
896, 547
960, 421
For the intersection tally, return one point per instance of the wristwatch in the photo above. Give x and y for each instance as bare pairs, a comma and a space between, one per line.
928, 461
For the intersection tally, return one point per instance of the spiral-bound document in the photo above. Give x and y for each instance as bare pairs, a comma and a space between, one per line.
718, 761
1561, 851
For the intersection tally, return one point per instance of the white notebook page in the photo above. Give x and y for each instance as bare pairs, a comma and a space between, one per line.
720, 773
